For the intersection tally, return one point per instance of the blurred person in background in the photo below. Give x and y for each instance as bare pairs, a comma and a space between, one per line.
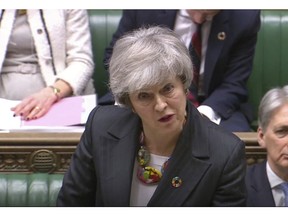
45, 55
226, 46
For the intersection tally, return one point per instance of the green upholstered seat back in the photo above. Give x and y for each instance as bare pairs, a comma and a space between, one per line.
270, 67
37, 189
103, 24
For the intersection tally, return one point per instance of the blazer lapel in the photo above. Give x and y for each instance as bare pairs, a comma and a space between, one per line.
8, 18
215, 45
188, 162
261, 187
41, 44
121, 147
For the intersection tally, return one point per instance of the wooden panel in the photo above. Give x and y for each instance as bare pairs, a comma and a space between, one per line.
31, 152
37, 152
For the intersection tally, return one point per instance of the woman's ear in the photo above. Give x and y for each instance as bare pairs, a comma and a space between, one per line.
260, 137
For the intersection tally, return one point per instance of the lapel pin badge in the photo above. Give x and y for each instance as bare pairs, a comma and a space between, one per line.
221, 35
176, 182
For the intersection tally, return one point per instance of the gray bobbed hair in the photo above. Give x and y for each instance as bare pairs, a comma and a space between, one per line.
147, 57
270, 102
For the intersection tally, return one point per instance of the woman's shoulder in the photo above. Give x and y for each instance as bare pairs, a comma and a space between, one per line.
110, 111
110, 114
219, 138
112, 118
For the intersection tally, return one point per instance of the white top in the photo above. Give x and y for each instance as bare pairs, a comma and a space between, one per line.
141, 193
20, 64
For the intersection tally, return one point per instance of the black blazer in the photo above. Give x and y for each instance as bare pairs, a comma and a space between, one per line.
259, 193
228, 62
210, 161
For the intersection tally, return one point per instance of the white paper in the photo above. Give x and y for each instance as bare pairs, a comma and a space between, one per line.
10, 123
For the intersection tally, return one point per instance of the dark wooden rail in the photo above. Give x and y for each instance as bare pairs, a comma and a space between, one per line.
37, 152
51, 152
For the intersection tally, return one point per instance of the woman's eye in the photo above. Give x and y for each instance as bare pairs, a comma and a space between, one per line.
168, 88
144, 96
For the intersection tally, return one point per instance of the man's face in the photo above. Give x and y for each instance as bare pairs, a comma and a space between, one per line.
200, 16
275, 140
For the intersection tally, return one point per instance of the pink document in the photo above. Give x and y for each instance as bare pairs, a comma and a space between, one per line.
66, 112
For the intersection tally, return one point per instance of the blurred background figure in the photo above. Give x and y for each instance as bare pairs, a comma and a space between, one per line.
221, 44
45, 55
267, 182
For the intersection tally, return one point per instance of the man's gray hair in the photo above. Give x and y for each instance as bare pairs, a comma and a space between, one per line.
271, 101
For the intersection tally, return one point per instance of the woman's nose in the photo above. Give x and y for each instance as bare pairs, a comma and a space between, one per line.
161, 103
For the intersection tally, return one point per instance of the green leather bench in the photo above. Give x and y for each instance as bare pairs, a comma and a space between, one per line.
103, 23
270, 67
35, 190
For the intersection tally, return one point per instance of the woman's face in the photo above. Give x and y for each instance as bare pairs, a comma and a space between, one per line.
162, 108
275, 140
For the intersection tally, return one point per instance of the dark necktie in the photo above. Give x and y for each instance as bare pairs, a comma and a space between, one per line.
195, 52
284, 187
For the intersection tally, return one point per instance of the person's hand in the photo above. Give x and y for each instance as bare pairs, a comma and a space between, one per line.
35, 105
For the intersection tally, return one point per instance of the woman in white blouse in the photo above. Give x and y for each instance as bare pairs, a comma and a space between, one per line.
45, 55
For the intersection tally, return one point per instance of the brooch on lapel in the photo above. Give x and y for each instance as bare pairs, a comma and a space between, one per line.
221, 36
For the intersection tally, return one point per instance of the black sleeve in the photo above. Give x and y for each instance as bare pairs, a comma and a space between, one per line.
128, 22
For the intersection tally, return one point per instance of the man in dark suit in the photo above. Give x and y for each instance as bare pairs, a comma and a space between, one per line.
228, 44
266, 181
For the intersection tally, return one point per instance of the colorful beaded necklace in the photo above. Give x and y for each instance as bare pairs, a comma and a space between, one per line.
145, 173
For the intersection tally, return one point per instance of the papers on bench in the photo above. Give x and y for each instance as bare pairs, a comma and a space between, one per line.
70, 111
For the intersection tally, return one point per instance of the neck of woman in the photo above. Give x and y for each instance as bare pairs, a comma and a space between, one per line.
160, 144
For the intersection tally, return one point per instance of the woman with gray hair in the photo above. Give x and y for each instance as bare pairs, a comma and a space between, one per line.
151, 57
267, 182
154, 148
